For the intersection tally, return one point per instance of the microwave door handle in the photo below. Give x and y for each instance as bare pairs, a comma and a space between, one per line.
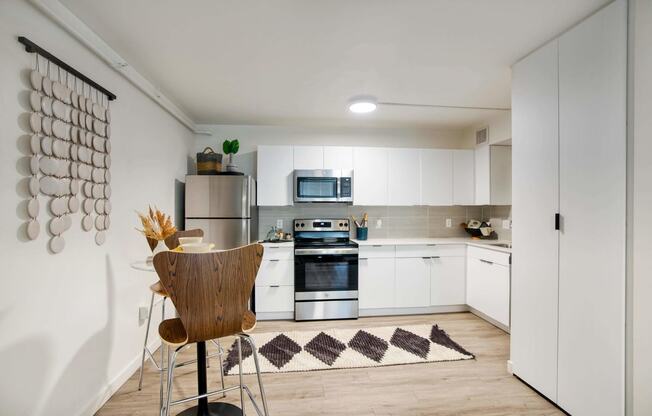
339, 188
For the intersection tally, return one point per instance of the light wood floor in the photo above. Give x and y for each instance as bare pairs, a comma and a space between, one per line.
472, 387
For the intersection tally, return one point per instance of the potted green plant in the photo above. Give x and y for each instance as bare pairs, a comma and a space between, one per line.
230, 148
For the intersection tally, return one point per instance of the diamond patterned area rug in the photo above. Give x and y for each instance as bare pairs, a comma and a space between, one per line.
346, 348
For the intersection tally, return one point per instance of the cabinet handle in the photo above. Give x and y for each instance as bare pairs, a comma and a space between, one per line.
377, 245
274, 260
431, 245
275, 286
435, 257
486, 261
426, 258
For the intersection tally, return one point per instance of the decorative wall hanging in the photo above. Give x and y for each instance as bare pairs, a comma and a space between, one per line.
70, 149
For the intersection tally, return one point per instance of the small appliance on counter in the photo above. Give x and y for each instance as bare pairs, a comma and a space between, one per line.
325, 270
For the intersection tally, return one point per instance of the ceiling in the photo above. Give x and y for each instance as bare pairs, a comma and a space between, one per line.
300, 61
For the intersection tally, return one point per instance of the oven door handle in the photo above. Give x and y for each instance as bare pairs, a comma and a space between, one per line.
325, 251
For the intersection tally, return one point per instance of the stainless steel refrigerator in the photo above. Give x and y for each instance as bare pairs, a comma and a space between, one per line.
224, 206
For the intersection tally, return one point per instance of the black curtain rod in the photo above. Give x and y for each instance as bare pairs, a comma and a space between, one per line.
32, 47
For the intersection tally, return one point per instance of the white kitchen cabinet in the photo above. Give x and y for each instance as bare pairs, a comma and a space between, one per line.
338, 157
487, 286
482, 175
308, 157
569, 144
274, 299
447, 281
436, 179
404, 177
276, 273
275, 165
500, 175
376, 281
412, 282
371, 166
463, 177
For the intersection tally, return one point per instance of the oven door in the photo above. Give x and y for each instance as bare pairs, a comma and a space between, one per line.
326, 274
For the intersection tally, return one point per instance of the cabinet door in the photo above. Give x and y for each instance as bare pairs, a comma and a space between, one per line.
448, 281
436, 177
338, 157
501, 175
404, 177
592, 167
535, 199
275, 165
488, 289
412, 282
276, 273
308, 157
463, 177
370, 168
376, 283
482, 175
274, 298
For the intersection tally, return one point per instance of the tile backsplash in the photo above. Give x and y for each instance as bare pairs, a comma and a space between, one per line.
395, 222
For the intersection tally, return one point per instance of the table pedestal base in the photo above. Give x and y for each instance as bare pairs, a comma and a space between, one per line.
214, 409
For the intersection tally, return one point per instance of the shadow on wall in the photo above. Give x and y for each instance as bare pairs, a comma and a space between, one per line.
86, 375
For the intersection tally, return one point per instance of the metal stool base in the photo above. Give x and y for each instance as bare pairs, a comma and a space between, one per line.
214, 409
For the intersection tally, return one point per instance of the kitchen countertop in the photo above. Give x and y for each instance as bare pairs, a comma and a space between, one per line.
489, 244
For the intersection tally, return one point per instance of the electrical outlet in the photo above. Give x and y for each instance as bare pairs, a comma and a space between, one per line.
143, 313
279, 224
379, 223
449, 222
507, 224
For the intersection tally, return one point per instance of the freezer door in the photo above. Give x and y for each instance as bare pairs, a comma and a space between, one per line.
224, 233
219, 196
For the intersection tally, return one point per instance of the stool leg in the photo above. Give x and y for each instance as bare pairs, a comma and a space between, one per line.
142, 360
242, 405
162, 356
172, 356
219, 349
260, 379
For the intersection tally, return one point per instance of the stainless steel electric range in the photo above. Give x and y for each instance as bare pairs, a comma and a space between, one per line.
325, 270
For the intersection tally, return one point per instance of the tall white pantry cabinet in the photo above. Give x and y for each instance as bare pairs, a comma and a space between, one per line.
568, 270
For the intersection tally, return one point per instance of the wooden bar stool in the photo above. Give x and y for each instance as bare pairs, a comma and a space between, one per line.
210, 292
157, 289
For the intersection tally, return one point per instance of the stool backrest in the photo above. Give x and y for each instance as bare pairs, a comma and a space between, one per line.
210, 290
172, 241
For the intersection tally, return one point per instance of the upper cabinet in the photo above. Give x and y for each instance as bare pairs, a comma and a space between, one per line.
436, 177
275, 166
338, 157
370, 175
493, 175
463, 177
308, 157
404, 177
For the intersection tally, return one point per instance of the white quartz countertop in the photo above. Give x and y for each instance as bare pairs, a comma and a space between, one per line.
277, 243
490, 244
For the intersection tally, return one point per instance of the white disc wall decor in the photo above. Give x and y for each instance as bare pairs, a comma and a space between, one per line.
35, 122
36, 79
33, 229
87, 223
33, 207
35, 101
69, 161
57, 244
34, 186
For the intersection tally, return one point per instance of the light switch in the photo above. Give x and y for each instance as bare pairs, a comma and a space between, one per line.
379, 223
449, 222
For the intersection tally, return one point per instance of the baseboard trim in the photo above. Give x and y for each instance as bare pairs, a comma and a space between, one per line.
489, 319
274, 316
414, 311
114, 385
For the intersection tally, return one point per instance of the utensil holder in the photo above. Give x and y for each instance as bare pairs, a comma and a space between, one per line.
361, 233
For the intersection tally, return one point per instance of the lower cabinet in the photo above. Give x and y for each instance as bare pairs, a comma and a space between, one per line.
274, 299
376, 283
275, 280
447, 281
487, 280
412, 282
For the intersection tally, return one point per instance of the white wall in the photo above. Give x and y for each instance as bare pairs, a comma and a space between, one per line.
252, 136
68, 322
640, 207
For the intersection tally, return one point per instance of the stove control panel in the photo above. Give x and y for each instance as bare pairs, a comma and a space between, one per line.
329, 224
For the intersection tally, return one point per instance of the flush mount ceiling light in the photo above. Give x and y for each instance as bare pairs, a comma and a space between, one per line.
363, 104
367, 104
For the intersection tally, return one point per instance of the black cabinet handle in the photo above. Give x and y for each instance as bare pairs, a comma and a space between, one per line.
486, 261
557, 221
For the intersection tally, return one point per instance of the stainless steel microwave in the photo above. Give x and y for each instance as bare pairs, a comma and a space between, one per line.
323, 185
